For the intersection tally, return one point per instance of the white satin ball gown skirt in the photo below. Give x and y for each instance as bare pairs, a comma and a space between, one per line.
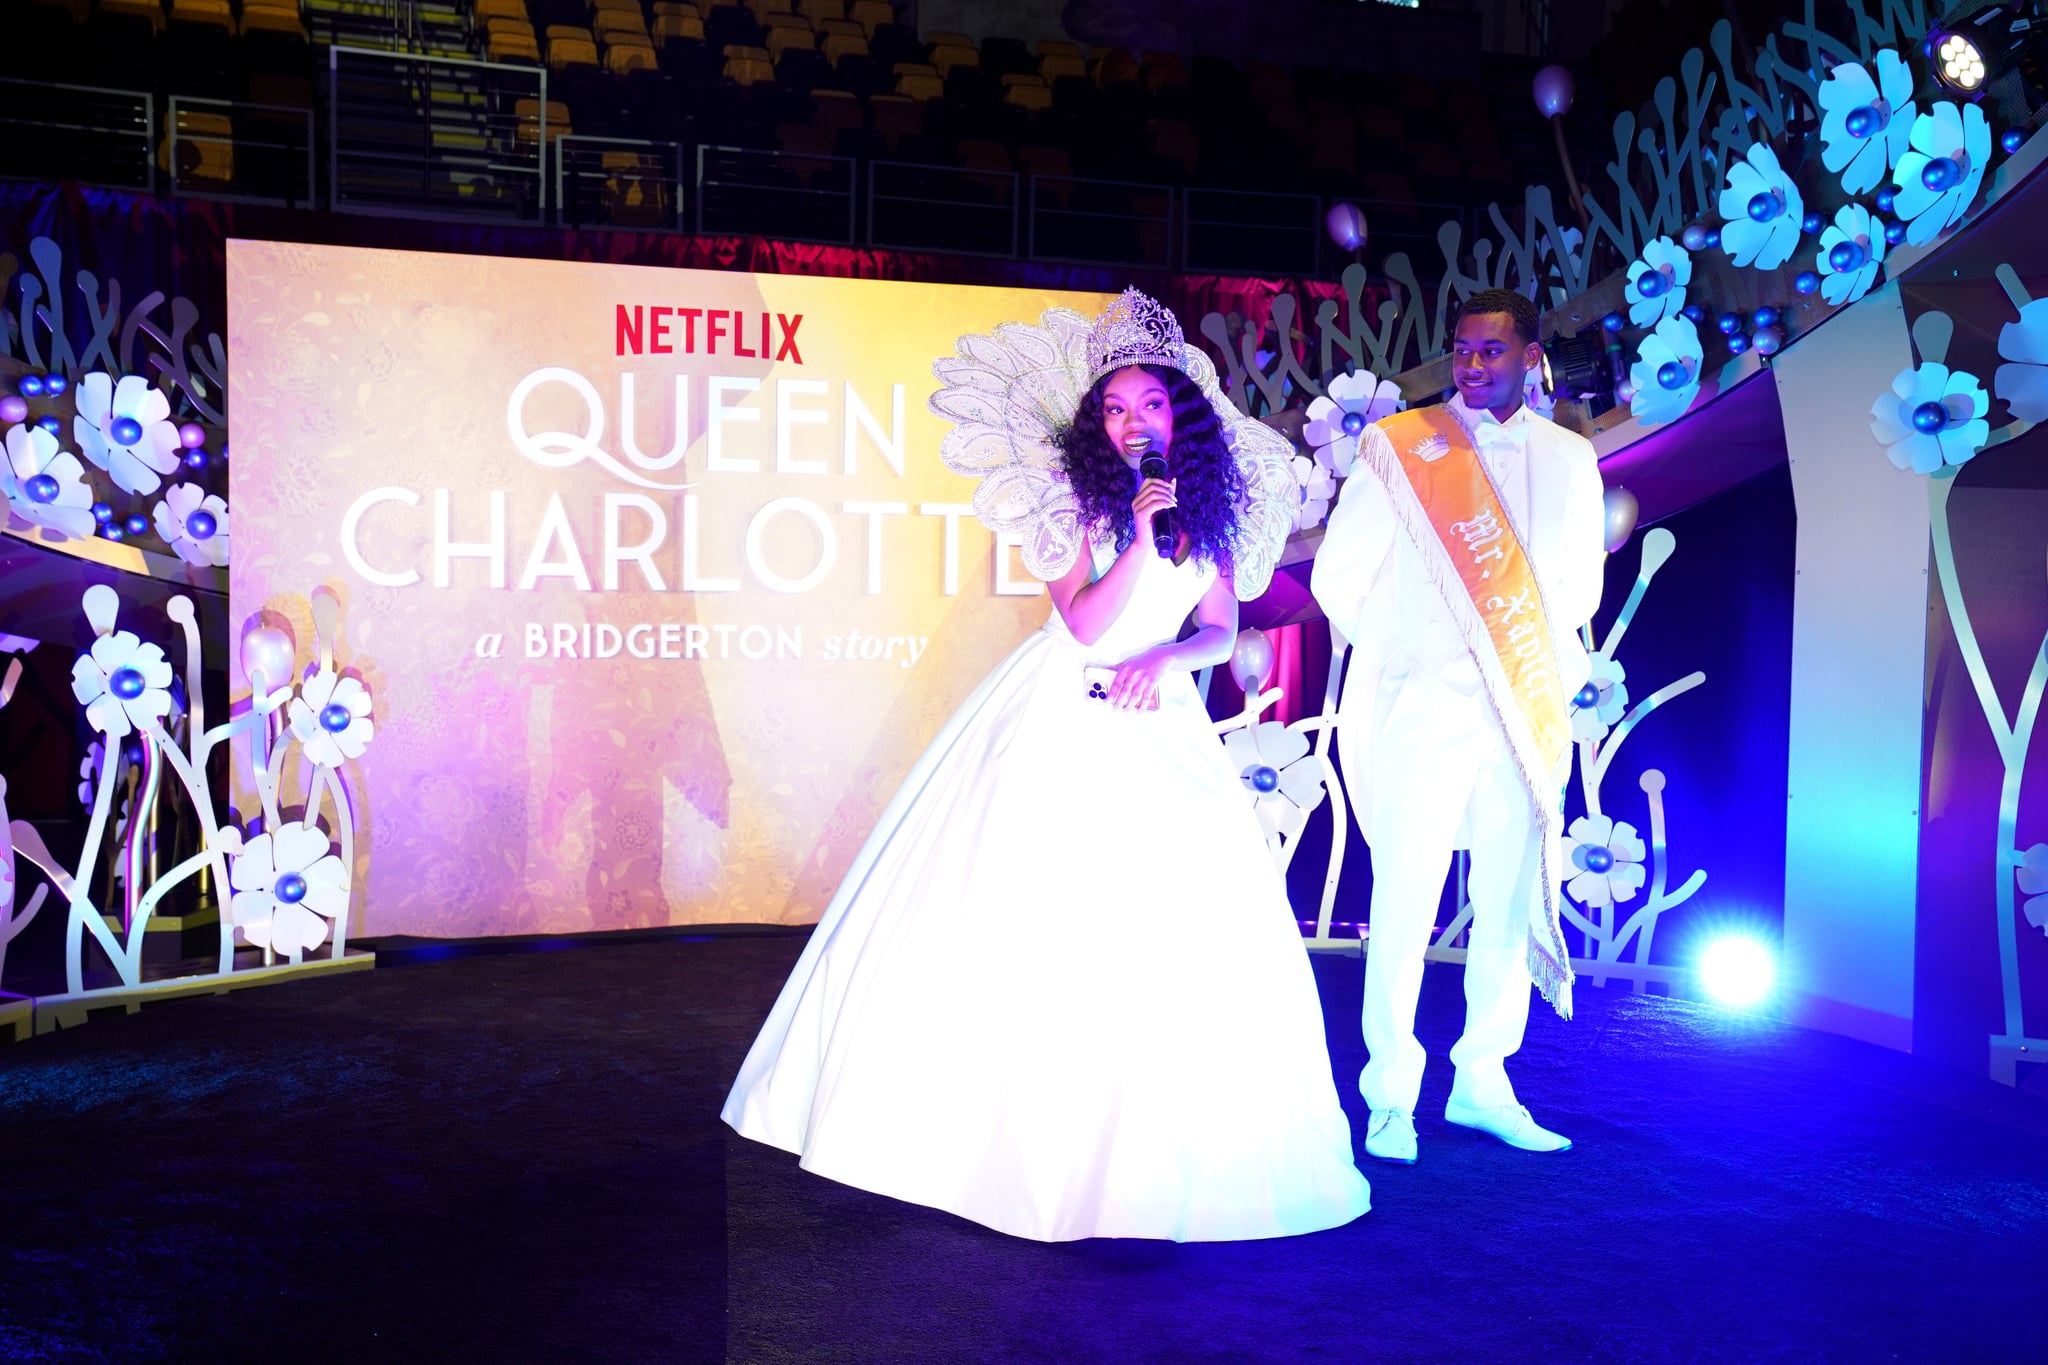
1061, 991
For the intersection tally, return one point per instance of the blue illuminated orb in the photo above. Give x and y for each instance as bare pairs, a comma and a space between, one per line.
201, 525
1737, 344
102, 513
290, 888
195, 459
1812, 223
127, 683
1589, 695
1806, 282
126, 431
1765, 206
29, 386
1941, 174
1598, 859
2013, 139
113, 531
1865, 121
1848, 256
1767, 340
137, 525
1764, 317
1713, 237
335, 717
1614, 322
1263, 778
1693, 314
1651, 284
1694, 237
41, 488
49, 422
1930, 418
1886, 197
54, 384
1736, 970
1730, 324
1672, 375
1895, 232
1353, 423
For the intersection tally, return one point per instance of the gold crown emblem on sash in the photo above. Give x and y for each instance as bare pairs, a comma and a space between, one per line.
1431, 448
1135, 330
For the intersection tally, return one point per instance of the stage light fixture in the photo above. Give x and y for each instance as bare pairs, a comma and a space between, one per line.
1737, 971
1970, 53
1581, 369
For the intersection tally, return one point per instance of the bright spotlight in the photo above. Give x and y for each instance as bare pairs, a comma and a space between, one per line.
1998, 39
1737, 971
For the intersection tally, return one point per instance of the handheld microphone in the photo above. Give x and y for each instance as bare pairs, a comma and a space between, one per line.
1165, 535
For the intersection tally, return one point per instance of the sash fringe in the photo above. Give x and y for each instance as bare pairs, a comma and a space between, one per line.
1550, 965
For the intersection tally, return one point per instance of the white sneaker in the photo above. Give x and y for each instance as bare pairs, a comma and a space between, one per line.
1508, 1122
1390, 1136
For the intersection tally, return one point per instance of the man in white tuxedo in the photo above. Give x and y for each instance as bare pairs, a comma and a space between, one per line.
1453, 727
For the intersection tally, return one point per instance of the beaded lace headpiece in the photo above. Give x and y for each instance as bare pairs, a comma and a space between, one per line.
1135, 330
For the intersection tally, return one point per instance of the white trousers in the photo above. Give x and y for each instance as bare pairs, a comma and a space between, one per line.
1433, 782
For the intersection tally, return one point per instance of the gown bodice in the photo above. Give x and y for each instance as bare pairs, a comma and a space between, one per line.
1165, 594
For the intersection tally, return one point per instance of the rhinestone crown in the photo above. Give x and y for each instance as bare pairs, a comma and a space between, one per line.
1135, 330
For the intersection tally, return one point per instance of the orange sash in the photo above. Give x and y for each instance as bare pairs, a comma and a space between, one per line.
1482, 569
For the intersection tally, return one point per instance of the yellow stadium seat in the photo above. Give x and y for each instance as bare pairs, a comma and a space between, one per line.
1054, 65
822, 11
564, 53
526, 114
1028, 96
623, 58
631, 7
686, 27
920, 88
1117, 67
772, 22
944, 59
677, 9
143, 9
611, 26
212, 13
781, 40
748, 65
763, 8
272, 18
948, 38
510, 47
485, 11
872, 14
206, 150
839, 45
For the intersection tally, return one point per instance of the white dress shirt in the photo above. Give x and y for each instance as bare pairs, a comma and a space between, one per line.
1373, 585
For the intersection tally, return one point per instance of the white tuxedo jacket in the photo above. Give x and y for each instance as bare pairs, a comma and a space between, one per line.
1407, 658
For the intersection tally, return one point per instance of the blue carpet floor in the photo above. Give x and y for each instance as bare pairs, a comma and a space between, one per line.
517, 1157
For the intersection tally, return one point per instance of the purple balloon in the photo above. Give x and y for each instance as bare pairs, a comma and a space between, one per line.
13, 408
192, 436
1346, 225
267, 657
1553, 91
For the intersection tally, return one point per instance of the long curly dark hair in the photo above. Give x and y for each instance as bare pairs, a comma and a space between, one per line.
1208, 488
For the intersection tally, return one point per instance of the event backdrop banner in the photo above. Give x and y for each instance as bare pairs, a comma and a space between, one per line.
654, 575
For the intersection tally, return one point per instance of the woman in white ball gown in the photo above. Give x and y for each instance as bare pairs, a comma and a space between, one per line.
1061, 991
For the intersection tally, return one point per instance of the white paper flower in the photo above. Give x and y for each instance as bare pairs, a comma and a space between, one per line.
121, 684
45, 486
1666, 375
1851, 250
108, 412
1352, 403
1285, 780
287, 886
331, 718
2034, 884
1866, 123
1317, 488
194, 523
1602, 701
1762, 210
1604, 859
1931, 417
1940, 173
1657, 281
2023, 384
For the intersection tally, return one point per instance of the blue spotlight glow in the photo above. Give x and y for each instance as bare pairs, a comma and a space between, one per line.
1737, 971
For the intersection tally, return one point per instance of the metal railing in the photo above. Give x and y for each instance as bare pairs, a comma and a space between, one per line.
1248, 230
226, 149
617, 182
78, 132
1101, 222
914, 207
410, 133
747, 192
